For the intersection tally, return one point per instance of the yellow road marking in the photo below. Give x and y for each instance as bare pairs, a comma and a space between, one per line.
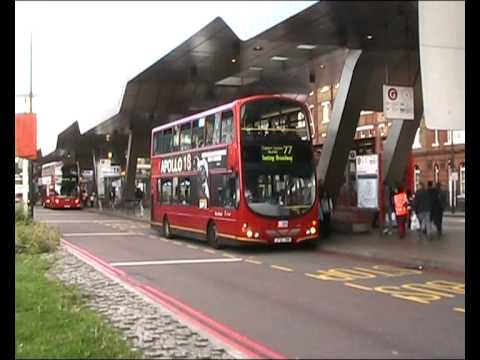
356, 286
282, 268
459, 310
209, 251
192, 247
253, 261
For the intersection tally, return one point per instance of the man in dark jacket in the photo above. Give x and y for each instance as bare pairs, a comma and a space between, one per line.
423, 207
437, 208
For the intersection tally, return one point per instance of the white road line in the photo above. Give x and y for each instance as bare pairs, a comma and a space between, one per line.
68, 221
174, 262
101, 234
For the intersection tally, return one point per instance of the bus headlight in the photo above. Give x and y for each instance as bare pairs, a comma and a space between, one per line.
77, 201
313, 230
256, 235
249, 233
57, 201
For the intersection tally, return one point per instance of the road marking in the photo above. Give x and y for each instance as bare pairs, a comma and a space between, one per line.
69, 221
174, 262
282, 268
100, 234
229, 255
152, 237
253, 261
178, 243
209, 251
192, 247
356, 286
459, 310
164, 240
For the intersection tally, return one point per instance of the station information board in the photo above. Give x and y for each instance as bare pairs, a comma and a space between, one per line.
367, 181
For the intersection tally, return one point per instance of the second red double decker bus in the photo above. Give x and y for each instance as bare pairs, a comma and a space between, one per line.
243, 172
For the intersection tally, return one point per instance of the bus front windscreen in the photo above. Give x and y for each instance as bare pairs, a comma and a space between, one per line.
279, 172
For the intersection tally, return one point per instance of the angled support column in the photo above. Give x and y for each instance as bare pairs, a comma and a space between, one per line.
133, 153
354, 86
401, 135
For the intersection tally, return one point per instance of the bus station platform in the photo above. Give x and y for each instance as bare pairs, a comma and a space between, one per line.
446, 253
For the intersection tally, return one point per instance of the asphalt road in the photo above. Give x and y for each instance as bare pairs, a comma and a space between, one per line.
298, 302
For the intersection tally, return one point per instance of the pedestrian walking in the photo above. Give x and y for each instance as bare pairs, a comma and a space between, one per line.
423, 208
388, 207
437, 208
139, 197
326, 207
113, 194
401, 202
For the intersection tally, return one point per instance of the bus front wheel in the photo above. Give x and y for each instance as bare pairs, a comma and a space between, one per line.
212, 236
166, 228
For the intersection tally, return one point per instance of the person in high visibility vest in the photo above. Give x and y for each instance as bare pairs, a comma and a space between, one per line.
400, 201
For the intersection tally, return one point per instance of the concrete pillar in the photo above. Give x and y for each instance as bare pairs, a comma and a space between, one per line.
354, 86
398, 145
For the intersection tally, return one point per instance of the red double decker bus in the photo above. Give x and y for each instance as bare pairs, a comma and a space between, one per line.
60, 184
243, 172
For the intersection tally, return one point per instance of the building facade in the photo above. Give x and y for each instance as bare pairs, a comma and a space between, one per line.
438, 155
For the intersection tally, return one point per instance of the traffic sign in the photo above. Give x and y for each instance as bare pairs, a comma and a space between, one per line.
398, 102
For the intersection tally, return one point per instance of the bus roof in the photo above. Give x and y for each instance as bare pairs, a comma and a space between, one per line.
217, 109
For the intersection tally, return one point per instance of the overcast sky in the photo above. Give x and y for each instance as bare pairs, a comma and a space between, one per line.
85, 52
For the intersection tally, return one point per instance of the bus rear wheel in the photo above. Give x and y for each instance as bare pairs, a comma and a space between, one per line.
212, 237
166, 228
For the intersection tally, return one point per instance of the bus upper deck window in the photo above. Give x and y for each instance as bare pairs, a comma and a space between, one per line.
217, 128
176, 138
209, 128
167, 140
185, 136
227, 127
197, 133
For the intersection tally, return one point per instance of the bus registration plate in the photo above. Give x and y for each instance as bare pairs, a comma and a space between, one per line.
282, 240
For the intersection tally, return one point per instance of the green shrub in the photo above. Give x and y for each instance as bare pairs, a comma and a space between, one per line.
20, 215
35, 238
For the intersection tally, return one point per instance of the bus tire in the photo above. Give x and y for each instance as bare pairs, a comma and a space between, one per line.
167, 231
212, 236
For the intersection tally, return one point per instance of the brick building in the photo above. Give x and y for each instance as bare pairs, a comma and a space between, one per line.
433, 150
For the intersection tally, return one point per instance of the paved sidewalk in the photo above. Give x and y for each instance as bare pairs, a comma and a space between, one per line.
446, 253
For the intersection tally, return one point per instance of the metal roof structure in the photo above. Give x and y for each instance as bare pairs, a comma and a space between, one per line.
308, 49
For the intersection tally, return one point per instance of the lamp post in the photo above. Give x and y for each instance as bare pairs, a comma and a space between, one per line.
453, 177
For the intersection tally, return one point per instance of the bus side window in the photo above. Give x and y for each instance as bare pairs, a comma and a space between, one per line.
217, 128
197, 133
185, 136
157, 143
159, 190
167, 141
166, 197
227, 127
176, 191
209, 127
176, 138
184, 186
223, 191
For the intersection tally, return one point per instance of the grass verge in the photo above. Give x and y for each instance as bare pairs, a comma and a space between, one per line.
51, 322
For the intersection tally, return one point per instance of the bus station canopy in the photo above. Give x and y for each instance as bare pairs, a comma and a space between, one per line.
305, 51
